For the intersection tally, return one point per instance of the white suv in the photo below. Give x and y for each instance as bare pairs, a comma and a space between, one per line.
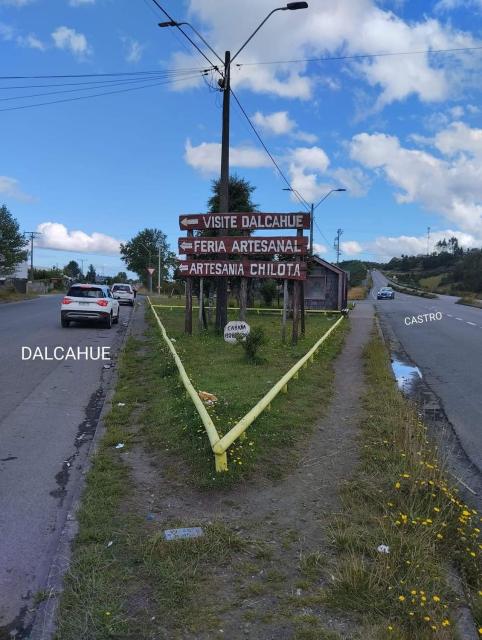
123, 293
89, 302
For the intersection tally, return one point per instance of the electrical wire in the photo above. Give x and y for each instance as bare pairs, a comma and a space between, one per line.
361, 56
184, 34
270, 155
88, 88
98, 75
95, 95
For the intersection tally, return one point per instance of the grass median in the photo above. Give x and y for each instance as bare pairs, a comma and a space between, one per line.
404, 528
125, 580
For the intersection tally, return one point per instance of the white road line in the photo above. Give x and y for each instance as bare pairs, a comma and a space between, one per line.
472, 323
459, 319
449, 315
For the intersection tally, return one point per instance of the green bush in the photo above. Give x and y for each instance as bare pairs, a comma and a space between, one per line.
252, 343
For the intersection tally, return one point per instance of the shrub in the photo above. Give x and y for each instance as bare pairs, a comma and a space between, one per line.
254, 340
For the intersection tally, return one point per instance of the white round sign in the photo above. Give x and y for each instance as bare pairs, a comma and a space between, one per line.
236, 330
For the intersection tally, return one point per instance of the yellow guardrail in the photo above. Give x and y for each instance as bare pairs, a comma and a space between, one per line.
257, 309
221, 445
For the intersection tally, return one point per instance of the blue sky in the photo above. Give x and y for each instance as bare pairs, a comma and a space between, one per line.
402, 133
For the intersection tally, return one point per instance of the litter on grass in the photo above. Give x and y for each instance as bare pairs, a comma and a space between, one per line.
207, 398
185, 532
121, 404
121, 445
383, 548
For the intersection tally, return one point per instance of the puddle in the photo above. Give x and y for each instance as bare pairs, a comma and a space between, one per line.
405, 374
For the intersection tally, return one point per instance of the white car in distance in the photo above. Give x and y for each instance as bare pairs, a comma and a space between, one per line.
93, 302
123, 293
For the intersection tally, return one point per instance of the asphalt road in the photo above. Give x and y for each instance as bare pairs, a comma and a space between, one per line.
448, 352
48, 415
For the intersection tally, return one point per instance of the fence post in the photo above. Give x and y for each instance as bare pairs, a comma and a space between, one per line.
221, 461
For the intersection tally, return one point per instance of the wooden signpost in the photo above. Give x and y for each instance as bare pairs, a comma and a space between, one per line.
205, 255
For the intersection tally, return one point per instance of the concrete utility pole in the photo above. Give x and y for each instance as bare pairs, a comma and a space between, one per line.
337, 245
33, 235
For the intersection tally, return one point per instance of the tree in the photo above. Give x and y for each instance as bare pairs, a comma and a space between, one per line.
143, 251
72, 270
120, 277
268, 291
240, 192
91, 274
12, 242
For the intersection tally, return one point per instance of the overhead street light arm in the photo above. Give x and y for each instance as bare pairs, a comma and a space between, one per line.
291, 6
173, 23
300, 197
326, 196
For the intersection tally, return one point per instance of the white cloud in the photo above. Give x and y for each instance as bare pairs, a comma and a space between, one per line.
277, 123
10, 34
457, 138
206, 157
80, 3
351, 247
133, 49
350, 27
451, 186
449, 5
319, 248
353, 179
15, 3
57, 236
70, 40
10, 187
310, 158
387, 247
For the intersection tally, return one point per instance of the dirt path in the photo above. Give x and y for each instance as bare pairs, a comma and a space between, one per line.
264, 593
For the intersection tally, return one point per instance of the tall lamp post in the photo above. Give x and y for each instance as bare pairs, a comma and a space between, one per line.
312, 208
225, 86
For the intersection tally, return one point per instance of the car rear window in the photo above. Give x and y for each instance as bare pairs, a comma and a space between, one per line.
85, 292
122, 287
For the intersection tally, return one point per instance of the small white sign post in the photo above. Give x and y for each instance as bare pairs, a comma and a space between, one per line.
236, 330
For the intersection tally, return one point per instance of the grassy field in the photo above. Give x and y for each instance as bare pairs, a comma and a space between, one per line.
220, 368
127, 582
6, 295
401, 498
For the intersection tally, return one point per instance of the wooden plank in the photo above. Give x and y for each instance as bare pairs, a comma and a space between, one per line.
244, 221
243, 269
230, 245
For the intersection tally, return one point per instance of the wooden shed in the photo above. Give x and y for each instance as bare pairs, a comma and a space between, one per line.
326, 286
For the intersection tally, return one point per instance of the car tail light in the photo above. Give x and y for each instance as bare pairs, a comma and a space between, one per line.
102, 303
66, 301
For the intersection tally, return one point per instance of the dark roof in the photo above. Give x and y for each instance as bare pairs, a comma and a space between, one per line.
324, 263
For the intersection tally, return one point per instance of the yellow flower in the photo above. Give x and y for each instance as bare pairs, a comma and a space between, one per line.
397, 485
426, 618
401, 598
445, 623
413, 592
436, 599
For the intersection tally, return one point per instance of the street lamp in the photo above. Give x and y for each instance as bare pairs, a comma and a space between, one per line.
312, 207
225, 85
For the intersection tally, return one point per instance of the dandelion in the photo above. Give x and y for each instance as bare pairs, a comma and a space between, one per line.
445, 623
401, 598
397, 485
436, 599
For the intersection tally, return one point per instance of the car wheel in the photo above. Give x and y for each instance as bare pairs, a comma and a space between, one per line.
132, 303
116, 319
65, 323
108, 321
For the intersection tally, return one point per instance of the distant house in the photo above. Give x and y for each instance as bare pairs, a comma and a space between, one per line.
326, 286
17, 278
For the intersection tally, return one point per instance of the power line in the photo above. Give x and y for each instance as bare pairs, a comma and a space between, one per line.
361, 56
95, 95
88, 88
184, 33
96, 75
264, 145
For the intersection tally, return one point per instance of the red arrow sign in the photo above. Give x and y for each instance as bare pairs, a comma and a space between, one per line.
245, 221
242, 268
295, 246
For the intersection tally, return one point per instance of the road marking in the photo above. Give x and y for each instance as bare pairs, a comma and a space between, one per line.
450, 316
472, 323
459, 319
